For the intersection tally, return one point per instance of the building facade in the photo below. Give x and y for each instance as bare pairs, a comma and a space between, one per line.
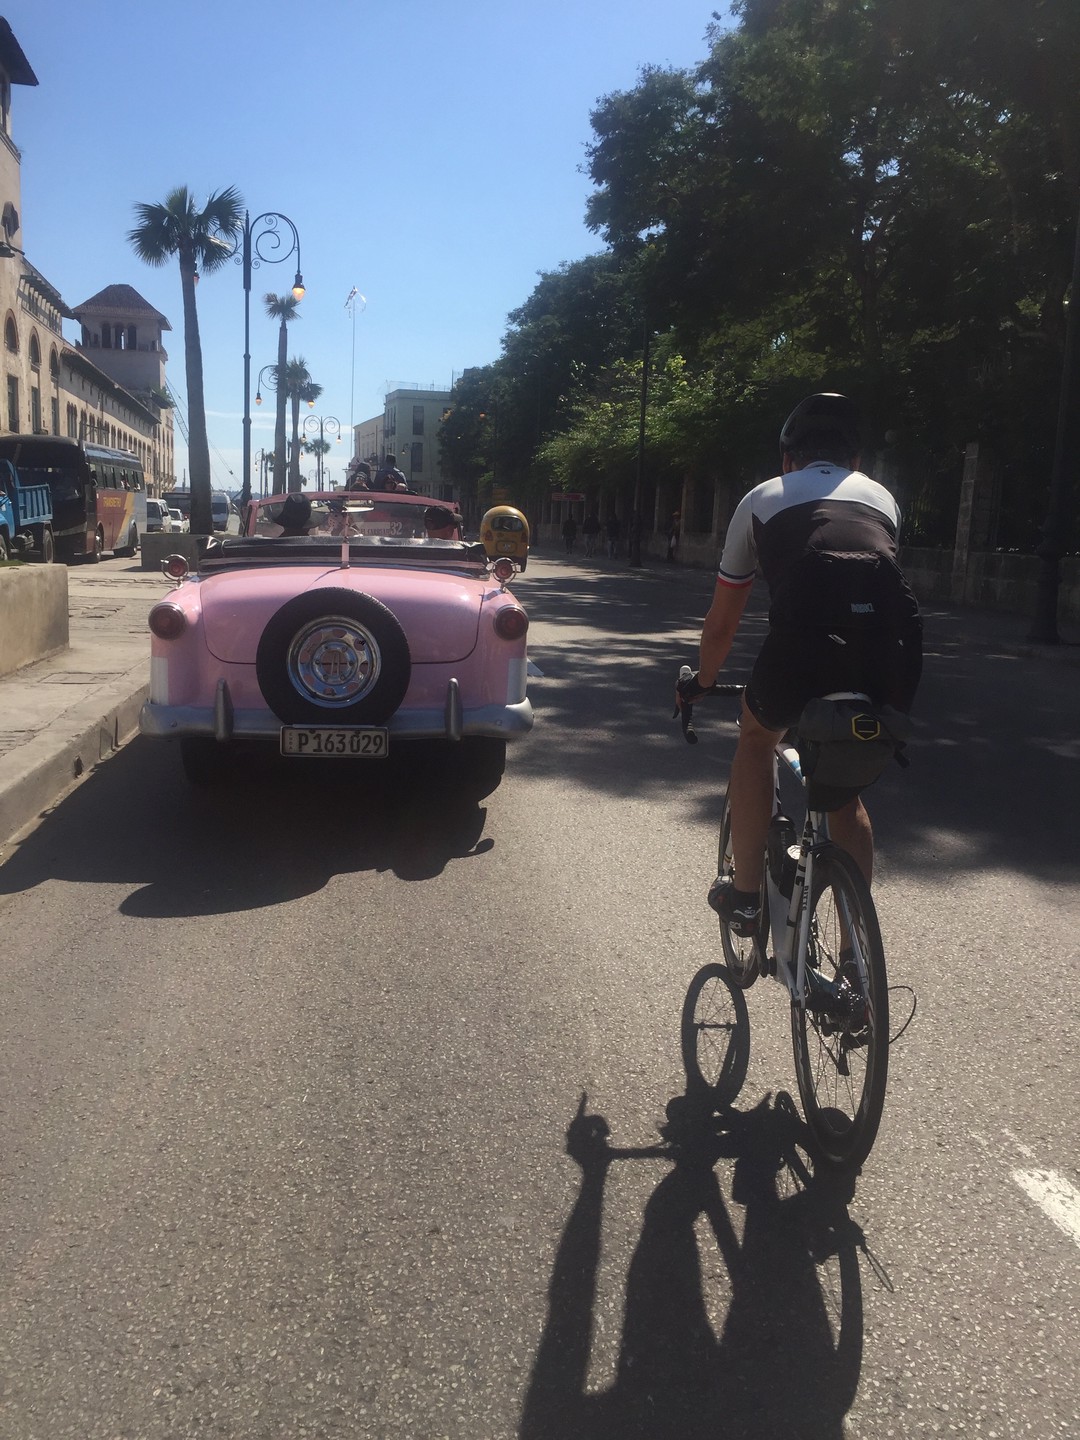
408, 428
49, 387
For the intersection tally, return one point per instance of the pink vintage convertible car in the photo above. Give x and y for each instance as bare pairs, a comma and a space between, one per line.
338, 624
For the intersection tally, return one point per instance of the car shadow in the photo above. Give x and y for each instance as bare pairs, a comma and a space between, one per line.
279, 832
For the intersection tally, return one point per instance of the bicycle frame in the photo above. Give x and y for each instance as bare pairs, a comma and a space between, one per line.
787, 965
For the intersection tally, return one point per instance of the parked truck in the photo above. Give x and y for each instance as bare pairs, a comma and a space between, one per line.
25, 517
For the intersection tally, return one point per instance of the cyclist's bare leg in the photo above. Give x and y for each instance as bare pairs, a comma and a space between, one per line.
750, 795
850, 828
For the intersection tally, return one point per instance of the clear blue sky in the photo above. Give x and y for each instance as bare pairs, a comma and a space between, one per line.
429, 154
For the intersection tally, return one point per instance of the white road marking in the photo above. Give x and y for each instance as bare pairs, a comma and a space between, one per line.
1055, 1197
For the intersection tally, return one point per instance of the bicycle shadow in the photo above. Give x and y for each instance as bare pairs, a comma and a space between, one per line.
788, 1355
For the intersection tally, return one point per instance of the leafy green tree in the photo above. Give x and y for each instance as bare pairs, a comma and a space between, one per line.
202, 240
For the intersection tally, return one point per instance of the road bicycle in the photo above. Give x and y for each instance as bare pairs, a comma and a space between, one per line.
818, 935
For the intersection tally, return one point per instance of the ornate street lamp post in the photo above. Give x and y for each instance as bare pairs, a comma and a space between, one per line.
266, 461
262, 238
323, 422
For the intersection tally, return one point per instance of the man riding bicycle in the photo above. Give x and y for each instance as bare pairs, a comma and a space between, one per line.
841, 617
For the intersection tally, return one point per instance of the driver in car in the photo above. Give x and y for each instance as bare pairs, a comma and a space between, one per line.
440, 523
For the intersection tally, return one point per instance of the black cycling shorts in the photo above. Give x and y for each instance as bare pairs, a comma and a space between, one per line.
794, 666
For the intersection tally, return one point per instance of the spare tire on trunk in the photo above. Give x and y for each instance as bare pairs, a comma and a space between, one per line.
333, 656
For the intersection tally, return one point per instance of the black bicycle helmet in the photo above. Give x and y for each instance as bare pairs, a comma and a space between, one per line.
822, 419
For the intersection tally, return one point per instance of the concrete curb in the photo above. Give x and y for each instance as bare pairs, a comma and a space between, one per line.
45, 769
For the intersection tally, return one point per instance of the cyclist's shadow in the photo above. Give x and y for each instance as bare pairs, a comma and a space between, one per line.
786, 1360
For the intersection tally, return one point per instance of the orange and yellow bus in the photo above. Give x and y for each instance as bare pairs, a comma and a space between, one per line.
98, 494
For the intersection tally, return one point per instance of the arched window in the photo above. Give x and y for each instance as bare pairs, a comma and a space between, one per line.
35, 351
11, 335
54, 364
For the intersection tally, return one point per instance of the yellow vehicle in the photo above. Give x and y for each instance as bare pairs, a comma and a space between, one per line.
505, 531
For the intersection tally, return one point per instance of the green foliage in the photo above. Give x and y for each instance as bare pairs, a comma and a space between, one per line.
876, 196
202, 240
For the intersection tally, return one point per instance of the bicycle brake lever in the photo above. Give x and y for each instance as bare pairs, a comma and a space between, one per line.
686, 712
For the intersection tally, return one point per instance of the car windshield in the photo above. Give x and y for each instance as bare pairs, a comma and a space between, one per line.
354, 516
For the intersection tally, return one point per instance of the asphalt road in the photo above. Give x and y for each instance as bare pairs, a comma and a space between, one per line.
289, 1077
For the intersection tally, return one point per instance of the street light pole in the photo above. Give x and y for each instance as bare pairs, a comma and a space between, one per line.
324, 422
258, 245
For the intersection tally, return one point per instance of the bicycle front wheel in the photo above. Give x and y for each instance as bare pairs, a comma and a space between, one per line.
841, 1033
715, 1035
741, 952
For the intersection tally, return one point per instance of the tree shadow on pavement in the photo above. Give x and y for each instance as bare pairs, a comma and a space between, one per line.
281, 832
786, 1358
995, 722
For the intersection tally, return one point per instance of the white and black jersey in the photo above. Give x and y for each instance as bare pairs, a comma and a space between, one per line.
841, 614
821, 507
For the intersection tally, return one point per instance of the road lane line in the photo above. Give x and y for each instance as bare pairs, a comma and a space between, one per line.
1055, 1197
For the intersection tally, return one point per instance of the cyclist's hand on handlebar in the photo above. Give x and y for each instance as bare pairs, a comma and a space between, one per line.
689, 690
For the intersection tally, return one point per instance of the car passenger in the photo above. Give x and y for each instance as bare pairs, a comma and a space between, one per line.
294, 517
389, 477
441, 524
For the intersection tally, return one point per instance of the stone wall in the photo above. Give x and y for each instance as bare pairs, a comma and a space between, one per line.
990, 581
34, 606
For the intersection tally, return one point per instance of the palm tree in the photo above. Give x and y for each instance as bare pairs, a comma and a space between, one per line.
298, 386
283, 308
202, 240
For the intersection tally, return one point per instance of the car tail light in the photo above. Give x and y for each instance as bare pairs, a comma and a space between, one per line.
167, 622
511, 623
175, 567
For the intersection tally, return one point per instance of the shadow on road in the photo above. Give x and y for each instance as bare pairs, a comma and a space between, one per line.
995, 726
787, 1358
281, 832
781, 1351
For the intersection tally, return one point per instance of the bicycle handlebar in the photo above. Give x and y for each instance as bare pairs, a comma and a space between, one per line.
686, 712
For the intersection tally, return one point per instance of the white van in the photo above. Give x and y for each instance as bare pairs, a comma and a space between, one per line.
157, 516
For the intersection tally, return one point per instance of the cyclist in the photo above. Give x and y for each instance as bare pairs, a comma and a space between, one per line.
841, 617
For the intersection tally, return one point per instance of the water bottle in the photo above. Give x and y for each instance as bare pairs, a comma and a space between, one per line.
783, 848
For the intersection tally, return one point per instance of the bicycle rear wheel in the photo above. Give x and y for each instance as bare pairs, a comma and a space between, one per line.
741, 952
841, 1035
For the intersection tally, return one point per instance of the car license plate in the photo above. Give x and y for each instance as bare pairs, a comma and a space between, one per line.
347, 744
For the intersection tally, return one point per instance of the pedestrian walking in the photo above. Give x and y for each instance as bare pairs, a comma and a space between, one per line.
590, 529
612, 535
673, 537
569, 533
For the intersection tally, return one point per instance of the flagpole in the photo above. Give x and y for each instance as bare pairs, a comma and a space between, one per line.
350, 305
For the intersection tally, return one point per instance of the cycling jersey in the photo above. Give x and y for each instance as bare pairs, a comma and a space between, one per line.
820, 507
842, 615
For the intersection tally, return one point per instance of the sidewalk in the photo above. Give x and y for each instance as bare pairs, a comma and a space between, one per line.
61, 716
